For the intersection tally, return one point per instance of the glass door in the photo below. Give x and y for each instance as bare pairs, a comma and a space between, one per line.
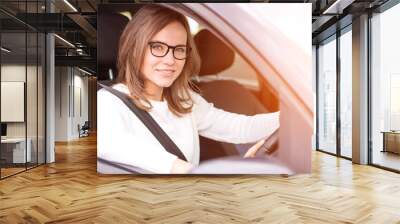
346, 92
327, 96
385, 89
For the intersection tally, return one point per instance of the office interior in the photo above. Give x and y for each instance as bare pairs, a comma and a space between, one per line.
368, 76
49, 81
45, 98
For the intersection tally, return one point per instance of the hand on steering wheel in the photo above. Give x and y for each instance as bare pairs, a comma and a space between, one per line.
270, 145
254, 149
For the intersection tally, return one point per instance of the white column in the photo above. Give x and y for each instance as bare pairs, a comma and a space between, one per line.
360, 90
50, 93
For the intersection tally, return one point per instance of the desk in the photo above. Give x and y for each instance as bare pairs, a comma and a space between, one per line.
15, 148
391, 141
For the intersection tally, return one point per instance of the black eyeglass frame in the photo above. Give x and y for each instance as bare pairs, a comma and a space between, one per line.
188, 49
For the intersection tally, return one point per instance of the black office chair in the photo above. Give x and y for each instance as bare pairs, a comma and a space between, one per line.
84, 130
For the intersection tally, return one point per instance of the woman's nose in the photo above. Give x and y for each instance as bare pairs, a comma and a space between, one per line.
169, 58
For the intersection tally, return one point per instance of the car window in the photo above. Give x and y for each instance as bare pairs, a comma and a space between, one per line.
241, 72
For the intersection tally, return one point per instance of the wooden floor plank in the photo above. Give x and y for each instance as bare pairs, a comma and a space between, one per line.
71, 191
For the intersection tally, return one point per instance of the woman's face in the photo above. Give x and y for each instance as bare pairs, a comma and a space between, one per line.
160, 72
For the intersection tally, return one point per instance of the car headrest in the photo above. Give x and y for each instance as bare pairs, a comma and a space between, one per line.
215, 55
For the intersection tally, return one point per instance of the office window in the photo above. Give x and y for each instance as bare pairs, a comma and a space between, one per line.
346, 92
385, 87
327, 95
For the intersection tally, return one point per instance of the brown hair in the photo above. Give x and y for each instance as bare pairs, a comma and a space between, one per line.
146, 23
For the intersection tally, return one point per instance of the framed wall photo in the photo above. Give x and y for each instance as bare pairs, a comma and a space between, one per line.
247, 101
12, 101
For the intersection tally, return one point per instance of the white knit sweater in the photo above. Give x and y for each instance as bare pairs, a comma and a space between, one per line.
123, 138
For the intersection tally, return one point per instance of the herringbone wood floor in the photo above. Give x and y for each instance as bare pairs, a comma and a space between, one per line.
70, 191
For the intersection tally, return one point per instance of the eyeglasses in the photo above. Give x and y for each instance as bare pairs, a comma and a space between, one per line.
160, 49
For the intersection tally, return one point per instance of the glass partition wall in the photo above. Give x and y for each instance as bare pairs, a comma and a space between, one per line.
385, 89
345, 61
334, 80
327, 95
22, 79
334, 84
13, 110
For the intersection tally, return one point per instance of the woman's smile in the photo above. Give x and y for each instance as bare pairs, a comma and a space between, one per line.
166, 72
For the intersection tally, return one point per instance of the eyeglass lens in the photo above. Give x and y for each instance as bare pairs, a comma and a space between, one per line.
161, 49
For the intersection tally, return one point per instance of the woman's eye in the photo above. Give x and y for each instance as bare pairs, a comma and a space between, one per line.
180, 50
157, 47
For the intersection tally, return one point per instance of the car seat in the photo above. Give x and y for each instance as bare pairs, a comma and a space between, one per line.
228, 95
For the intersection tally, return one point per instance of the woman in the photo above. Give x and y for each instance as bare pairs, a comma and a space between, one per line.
156, 58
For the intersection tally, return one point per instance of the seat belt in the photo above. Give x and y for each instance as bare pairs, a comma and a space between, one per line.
149, 122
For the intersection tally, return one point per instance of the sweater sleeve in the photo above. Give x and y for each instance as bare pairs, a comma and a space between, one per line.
229, 127
123, 138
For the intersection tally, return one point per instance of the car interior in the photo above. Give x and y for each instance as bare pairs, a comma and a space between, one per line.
231, 84
225, 79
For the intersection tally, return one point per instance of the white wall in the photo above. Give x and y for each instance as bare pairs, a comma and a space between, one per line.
16, 73
80, 102
62, 81
33, 126
71, 102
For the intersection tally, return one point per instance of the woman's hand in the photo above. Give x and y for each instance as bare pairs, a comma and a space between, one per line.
254, 149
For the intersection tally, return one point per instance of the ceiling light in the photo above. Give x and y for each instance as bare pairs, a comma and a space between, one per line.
337, 7
70, 5
64, 40
5, 50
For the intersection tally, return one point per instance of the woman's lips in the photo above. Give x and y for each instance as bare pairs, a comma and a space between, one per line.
166, 72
